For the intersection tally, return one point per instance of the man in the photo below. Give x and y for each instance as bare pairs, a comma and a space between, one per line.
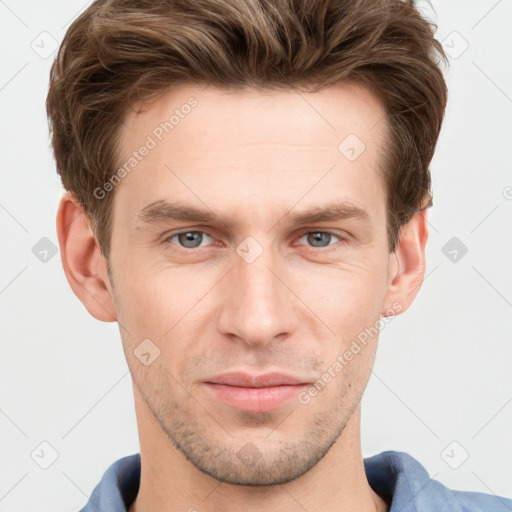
247, 186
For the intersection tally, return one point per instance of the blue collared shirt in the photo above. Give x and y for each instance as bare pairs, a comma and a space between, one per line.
391, 474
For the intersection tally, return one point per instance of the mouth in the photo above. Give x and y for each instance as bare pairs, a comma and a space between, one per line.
255, 393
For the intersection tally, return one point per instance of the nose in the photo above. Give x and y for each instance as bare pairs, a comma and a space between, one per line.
257, 300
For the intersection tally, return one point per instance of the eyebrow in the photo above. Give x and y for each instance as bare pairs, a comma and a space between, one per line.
161, 211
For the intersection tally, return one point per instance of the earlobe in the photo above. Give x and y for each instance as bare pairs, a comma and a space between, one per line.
82, 260
407, 265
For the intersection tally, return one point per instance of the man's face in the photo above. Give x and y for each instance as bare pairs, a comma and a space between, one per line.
261, 292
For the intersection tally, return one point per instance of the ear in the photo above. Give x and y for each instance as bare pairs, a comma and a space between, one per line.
406, 268
84, 264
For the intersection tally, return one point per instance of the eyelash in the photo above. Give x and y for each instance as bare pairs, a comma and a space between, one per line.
310, 249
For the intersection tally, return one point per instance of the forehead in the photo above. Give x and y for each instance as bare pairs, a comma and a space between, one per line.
328, 113
227, 148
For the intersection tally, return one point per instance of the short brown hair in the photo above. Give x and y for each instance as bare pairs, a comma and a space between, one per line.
118, 52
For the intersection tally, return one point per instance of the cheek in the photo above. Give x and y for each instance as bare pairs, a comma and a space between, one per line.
165, 305
165, 302
347, 297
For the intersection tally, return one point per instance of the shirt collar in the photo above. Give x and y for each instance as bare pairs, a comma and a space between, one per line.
396, 476
405, 481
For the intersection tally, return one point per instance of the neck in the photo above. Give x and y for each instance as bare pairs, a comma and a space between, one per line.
170, 482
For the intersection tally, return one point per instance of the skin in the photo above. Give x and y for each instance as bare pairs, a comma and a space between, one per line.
256, 158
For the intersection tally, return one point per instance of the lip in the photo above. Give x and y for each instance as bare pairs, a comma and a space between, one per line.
255, 393
246, 380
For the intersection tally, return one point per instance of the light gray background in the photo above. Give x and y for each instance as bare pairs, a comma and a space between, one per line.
441, 387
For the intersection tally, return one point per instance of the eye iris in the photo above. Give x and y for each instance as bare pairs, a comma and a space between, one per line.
190, 237
318, 236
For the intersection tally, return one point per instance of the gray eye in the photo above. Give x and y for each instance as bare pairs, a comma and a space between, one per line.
319, 238
190, 239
